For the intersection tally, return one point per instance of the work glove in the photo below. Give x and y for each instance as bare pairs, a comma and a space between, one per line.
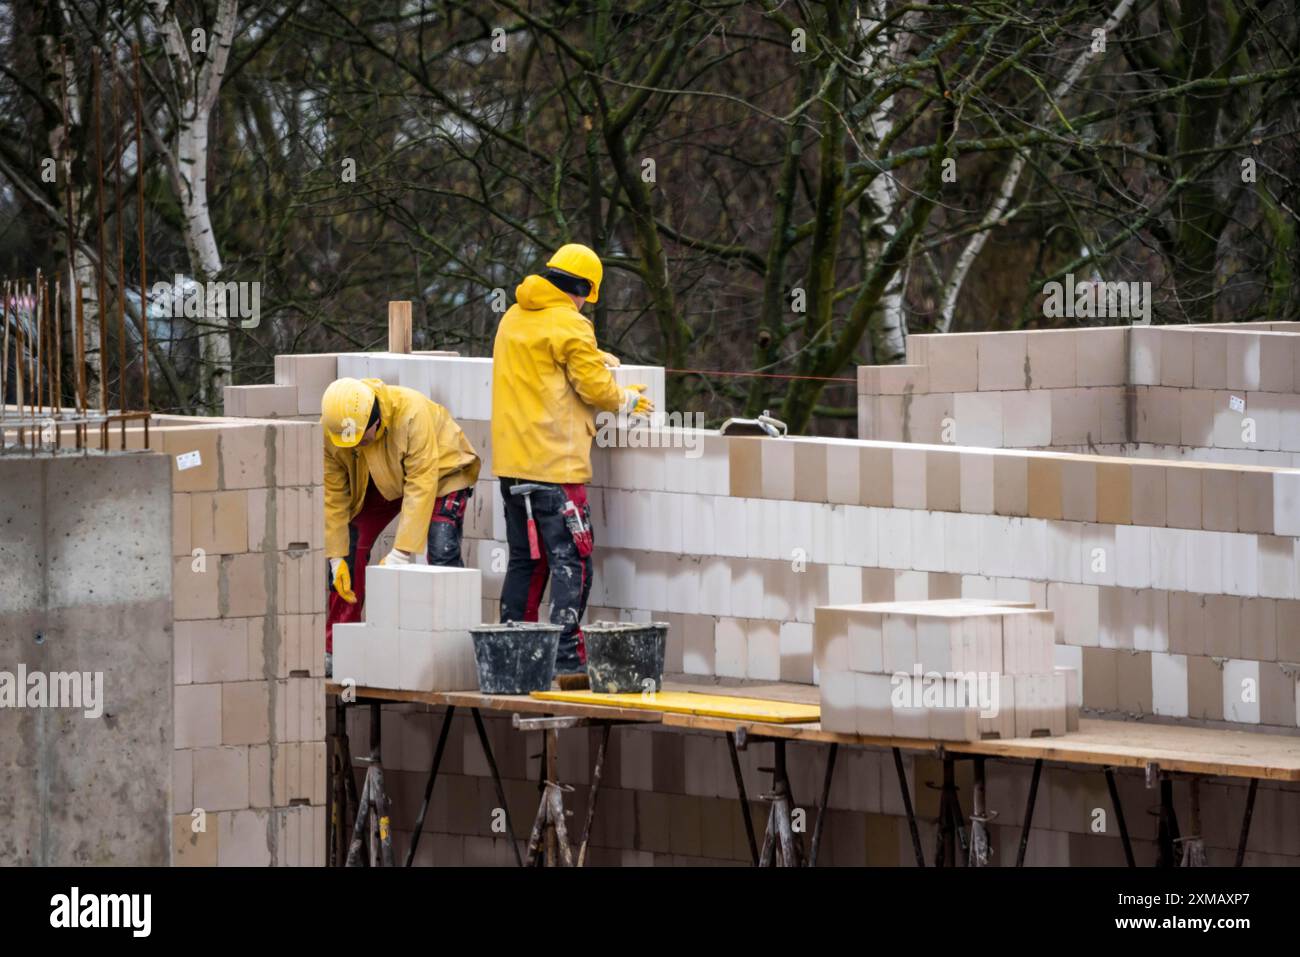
610, 360
634, 403
395, 558
341, 578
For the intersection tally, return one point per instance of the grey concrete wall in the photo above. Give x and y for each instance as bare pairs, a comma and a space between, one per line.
85, 560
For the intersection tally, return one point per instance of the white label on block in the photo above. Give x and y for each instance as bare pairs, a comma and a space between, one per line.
188, 460
1236, 403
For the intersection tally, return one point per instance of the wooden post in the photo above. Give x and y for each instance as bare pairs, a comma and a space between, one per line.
399, 326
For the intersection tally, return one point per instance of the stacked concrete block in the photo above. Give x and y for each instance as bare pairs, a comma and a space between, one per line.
249, 603
415, 636
940, 669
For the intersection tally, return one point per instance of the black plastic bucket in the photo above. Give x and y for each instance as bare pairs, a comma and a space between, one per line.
515, 657
625, 656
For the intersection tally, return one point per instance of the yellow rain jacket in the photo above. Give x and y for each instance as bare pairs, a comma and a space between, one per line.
419, 454
548, 380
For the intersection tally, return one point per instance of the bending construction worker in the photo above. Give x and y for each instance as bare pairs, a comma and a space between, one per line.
389, 450
548, 381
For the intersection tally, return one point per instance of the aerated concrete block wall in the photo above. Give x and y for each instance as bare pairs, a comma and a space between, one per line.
1174, 586
85, 659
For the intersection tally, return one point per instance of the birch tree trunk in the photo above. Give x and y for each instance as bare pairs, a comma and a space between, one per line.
888, 323
81, 269
188, 166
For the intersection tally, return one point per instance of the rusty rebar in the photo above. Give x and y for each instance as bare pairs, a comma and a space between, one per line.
139, 180
58, 350
122, 404
97, 82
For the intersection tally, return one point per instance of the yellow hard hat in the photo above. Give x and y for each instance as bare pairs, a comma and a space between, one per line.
582, 261
345, 411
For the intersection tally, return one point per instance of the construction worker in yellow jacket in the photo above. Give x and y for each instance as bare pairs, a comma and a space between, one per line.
548, 381
389, 450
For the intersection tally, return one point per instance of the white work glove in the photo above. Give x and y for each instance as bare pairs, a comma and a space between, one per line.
395, 558
634, 403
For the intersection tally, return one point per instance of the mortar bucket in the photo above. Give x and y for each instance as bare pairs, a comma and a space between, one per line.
515, 657
624, 656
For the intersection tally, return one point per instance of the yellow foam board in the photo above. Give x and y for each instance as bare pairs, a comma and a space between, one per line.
689, 702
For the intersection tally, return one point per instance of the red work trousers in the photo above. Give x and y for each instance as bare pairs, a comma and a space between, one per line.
444, 543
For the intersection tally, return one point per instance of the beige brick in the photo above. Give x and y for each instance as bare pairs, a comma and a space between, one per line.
192, 848
1002, 358
183, 780
259, 775
952, 362
1183, 497
1101, 678
1149, 495
244, 456
244, 716
221, 779
1051, 358
1011, 485
218, 649
242, 839
1102, 357
1078, 491
943, 481
181, 524
1133, 685
1044, 485
1114, 493
1254, 501
266, 401
746, 467
1204, 688
243, 585
180, 441
198, 716
876, 470
195, 587
1219, 499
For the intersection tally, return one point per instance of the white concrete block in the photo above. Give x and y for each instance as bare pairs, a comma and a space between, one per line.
866, 643
894, 527
1241, 691
731, 655
730, 517
350, 653
1240, 563
961, 543
1169, 559
1169, 685
1133, 556
844, 584
927, 540
763, 651
382, 600
715, 586
1204, 561
860, 535
382, 666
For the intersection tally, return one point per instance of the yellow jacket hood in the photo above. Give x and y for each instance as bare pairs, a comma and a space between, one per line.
548, 381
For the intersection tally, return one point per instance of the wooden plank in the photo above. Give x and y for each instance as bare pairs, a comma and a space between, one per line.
399, 326
748, 708
495, 702
1130, 744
